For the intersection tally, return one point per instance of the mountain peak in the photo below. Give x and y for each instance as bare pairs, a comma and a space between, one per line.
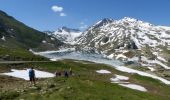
66, 35
129, 19
64, 28
108, 20
134, 22
102, 22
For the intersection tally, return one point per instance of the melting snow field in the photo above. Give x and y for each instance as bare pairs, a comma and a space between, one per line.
119, 78
129, 70
123, 81
103, 71
23, 74
134, 86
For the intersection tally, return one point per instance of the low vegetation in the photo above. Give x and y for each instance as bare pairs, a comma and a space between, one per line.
84, 84
18, 54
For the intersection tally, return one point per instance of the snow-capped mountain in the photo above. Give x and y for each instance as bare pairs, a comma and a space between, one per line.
66, 35
128, 39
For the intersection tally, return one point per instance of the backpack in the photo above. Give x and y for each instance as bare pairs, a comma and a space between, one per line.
31, 73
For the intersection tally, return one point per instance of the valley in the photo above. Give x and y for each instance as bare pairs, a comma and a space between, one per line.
112, 59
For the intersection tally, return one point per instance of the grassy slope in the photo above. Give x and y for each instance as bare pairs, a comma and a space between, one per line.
19, 38
19, 54
24, 34
86, 84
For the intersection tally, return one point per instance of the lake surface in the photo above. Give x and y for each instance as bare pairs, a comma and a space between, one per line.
71, 54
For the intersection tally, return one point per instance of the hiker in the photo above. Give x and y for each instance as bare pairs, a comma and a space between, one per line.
56, 74
32, 75
59, 73
66, 74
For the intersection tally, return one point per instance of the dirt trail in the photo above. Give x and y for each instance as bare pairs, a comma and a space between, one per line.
19, 62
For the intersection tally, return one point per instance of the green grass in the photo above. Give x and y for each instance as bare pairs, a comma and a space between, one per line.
18, 34
24, 34
19, 54
8, 95
86, 84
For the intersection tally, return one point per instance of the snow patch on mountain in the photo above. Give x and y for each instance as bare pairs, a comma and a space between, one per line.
119, 78
102, 71
140, 39
151, 69
67, 35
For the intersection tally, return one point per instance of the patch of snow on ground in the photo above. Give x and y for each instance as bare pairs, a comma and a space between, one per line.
123, 81
3, 38
163, 65
162, 59
134, 86
155, 53
152, 69
52, 39
119, 79
44, 41
103, 71
53, 59
129, 70
110, 56
120, 56
23, 74
58, 51
146, 64
31, 50
125, 51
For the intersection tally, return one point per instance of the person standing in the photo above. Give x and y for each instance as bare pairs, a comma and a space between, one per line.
66, 74
32, 75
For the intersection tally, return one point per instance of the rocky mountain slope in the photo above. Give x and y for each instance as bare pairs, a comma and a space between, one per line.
66, 35
128, 39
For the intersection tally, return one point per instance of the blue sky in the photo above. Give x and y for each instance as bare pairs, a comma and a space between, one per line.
82, 13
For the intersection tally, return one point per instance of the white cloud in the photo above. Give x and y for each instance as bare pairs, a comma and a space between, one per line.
57, 8
83, 25
62, 14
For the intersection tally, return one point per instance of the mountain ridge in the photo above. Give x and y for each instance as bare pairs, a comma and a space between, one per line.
128, 39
